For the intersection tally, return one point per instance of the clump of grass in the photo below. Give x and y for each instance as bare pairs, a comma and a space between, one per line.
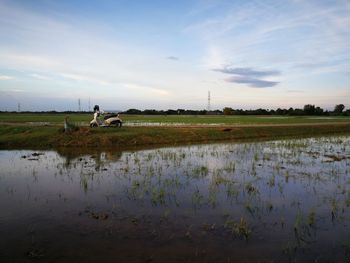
69, 126
200, 171
158, 196
251, 209
241, 228
334, 211
253, 171
197, 197
231, 190
230, 168
271, 182
290, 250
256, 157
312, 219
251, 189
218, 180
212, 199
346, 245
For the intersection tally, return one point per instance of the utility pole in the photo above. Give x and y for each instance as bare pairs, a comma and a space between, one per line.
209, 101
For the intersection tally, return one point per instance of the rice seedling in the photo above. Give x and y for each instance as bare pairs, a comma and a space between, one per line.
240, 229
251, 189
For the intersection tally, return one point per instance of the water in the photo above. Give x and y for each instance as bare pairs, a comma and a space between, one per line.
280, 201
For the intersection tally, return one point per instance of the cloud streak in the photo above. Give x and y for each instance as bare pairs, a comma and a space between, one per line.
39, 76
252, 82
172, 58
250, 76
280, 34
4, 77
84, 78
248, 72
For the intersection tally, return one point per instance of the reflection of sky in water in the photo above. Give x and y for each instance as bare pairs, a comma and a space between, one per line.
265, 183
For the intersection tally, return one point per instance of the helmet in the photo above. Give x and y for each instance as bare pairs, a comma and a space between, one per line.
96, 108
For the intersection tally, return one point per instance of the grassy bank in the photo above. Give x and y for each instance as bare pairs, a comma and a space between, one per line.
57, 119
126, 137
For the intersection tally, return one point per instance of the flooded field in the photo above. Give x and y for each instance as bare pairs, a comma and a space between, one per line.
279, 201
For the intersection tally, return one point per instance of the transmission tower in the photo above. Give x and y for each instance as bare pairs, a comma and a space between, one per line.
79, 105
19, 107
208, 100
89, 105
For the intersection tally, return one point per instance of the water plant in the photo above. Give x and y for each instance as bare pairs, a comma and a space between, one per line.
240, 229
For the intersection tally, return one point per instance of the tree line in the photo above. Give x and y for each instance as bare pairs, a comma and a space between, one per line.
309, 109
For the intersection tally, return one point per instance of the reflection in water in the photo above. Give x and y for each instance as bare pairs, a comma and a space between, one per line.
101, 157
276, 201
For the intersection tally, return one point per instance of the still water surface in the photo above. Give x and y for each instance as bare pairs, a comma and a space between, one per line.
279, 201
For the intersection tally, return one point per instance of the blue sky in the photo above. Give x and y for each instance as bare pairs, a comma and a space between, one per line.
168, 54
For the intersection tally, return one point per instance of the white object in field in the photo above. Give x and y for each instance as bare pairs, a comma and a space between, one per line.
113, 119
95, 121
65, 124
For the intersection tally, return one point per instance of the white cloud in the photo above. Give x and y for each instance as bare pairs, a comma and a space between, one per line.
146, 89
4, 77
161, 92
213, 58
21, 60
284, 34
85, 78
39, 76
17, 90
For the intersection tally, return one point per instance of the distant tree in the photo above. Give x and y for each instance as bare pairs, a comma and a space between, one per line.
151, 112
261, 112
290, 111
181, 111
318, 111
133, 111
279, 111
227, 111
338, 109
171, 112
309, 109
240, 112
298, 112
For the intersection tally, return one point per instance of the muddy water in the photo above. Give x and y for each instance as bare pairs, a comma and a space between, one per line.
281, 201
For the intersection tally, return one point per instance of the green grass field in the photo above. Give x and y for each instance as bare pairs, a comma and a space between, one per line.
128, 137
28, 130
84, 119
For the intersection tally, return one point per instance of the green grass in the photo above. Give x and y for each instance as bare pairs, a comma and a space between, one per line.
185, 119
128, 137
24, 135
222, 119
43, 117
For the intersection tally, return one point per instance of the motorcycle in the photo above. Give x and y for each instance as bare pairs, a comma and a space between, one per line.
109, 119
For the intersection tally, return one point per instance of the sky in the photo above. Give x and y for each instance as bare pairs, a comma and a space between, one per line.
165, 54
